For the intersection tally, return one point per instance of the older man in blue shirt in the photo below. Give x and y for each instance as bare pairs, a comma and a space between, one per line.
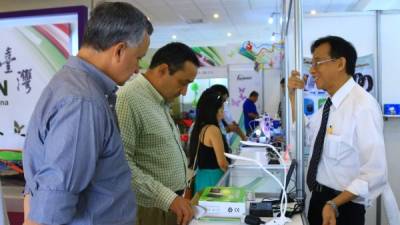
75, 167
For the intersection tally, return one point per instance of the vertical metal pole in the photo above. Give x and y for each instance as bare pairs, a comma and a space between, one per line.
262, 74
287, 101
285, 71
378, 93
92, 5
378, 57
298, 48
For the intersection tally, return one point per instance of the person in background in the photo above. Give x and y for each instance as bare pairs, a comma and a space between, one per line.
74, 162
250, 112
347, 169
208, 142
227, 124
279, 112
151, 138
281, 108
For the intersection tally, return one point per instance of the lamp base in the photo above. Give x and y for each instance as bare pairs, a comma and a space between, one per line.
279, 221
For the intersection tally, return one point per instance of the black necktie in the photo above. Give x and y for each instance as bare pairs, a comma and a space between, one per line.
318, 146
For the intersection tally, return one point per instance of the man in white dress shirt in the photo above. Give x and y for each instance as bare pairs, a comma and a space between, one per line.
347, 167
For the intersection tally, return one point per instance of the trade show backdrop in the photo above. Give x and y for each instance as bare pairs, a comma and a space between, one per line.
33, 46
240, 67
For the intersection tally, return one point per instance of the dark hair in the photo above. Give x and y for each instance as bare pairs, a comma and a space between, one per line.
220, 89
282, 81
114, 22
339, 48
175, 55
254, 93
206, 114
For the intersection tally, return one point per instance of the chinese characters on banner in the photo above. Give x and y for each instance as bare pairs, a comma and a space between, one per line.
29, 56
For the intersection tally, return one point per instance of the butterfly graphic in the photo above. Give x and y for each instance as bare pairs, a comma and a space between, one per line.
235, 102
242, 97
18, 128
241, 91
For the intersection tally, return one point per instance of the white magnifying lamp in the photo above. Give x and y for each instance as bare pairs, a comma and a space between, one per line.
281, 220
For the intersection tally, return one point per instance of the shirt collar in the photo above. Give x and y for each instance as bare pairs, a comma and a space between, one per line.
343, 91
150, 90
106, 84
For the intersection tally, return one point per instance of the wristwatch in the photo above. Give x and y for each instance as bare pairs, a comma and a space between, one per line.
334, 206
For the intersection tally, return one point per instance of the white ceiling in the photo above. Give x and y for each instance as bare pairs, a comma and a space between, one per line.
192, 20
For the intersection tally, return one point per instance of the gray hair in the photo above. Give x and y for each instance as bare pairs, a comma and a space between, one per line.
114, 22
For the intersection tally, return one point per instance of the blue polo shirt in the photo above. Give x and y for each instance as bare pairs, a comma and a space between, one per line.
249, 107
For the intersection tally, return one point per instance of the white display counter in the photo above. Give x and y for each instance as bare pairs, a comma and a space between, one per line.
246, 174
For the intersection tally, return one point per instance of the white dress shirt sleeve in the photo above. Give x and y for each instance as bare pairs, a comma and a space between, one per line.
372, 177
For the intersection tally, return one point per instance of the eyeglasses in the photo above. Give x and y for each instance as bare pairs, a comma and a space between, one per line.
316, 64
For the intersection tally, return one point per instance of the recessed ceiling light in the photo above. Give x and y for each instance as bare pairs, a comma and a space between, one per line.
229, 34
313, 12
216, 15
174, 36
270, 20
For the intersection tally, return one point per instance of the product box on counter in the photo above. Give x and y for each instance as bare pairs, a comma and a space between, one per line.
224, 202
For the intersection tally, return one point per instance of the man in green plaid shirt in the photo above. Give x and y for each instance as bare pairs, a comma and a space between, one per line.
151, 138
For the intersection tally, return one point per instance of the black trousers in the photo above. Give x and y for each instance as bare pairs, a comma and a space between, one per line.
349, 214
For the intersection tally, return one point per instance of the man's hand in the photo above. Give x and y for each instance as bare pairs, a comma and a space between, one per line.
328, 215
29, 222
182, 209
231, 128
234, 127
27, 198
295, 82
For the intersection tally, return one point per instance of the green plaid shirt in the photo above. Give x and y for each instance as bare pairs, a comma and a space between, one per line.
152, 144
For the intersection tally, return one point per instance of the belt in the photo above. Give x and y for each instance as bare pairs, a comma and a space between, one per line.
179, 192
322, 188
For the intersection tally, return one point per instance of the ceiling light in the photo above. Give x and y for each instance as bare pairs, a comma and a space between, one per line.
313, 12
270, 20
216, 15
273, 38
174, 36
229, 34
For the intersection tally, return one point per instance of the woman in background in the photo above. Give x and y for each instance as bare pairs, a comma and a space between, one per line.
211, 161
